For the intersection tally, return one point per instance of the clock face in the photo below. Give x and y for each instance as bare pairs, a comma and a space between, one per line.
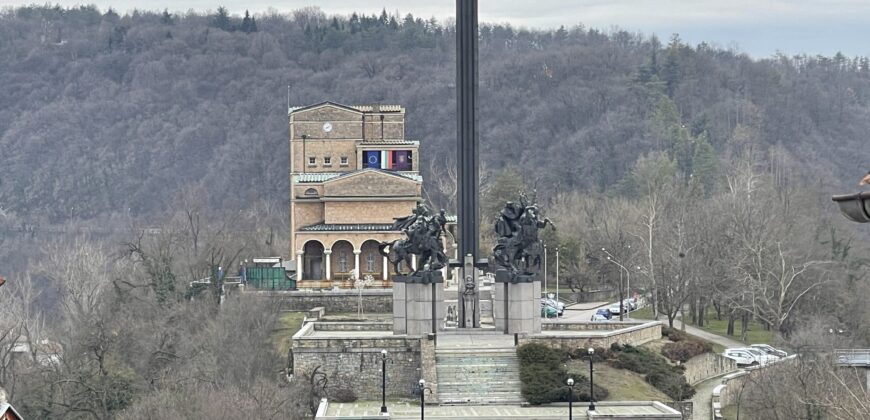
327, 127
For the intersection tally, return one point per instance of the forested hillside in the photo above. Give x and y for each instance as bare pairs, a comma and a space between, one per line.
105, 115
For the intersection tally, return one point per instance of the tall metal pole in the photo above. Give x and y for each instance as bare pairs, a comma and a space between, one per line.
383, 381
591, 390
557, 276
467, 152
545, 270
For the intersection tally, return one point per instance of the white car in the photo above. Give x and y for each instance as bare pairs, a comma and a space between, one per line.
762, 357
615, 309
749, 357
741, 356
769, 350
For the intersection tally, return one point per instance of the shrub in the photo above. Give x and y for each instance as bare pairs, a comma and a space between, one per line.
672, 384
658, 372
684, 350
543, 376
674, 334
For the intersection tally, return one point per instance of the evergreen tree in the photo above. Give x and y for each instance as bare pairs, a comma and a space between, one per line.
248, 23
672, 66
166, 17
705, 165
221, 19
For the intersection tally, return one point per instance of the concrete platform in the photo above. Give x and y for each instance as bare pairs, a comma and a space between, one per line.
411, 410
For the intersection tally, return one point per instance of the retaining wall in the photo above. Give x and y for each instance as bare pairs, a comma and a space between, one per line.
357, 360
707, 365
333, 301
570, 340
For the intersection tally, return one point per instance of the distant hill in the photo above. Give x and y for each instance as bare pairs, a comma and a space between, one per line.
104, 114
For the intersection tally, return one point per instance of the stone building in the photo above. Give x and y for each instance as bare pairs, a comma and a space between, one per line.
352, 171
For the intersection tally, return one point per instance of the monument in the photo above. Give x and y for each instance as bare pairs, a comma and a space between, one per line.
517, 261
418, 297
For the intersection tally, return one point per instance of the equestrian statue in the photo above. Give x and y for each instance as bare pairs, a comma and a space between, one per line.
423, 231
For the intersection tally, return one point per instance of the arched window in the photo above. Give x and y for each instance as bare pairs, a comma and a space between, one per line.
311, 192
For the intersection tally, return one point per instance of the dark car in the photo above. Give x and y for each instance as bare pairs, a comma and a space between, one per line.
604, 312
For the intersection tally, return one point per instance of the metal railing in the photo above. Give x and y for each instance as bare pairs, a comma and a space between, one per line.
852, 357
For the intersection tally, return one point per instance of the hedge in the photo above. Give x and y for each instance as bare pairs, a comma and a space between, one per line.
544, 377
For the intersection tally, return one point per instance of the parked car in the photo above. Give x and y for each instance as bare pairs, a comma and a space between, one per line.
630, 304
741, 356
553, 303
548, 311
770, 350
762, 357
748, 356
599, 318
615, 309
605, 313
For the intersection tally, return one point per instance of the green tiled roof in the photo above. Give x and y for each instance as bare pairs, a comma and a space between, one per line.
380, 142
360, 227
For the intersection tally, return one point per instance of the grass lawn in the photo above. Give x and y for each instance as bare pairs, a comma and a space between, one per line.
729, 412
623, 385
755, 334
288, 324
643, 313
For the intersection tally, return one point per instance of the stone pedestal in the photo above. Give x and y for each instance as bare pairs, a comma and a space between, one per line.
517, 303
418, 303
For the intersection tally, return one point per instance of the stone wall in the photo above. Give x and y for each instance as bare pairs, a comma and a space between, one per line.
357, 360
374, 300
570, 340
707, 365
590, 326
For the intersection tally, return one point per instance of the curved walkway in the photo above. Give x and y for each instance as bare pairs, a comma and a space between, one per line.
703, 399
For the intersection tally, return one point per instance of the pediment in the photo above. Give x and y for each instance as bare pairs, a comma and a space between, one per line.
371, 183
326, 111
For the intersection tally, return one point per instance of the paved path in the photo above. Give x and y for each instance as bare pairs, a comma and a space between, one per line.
715, 338
703, 398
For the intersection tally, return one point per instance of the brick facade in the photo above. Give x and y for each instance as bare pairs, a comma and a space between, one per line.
352, 173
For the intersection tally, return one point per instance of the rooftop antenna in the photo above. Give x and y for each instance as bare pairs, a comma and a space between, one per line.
288, 98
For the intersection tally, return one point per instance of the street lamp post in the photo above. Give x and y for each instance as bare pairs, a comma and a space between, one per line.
384, 360
545, 270
421, 386
591, 390
570, 398
557, 275
627, 275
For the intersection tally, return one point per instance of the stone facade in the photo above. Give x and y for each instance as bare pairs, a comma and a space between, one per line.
707, 365
352, 172
357, 360
334, 301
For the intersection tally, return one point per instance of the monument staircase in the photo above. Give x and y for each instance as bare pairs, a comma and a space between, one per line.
486, 371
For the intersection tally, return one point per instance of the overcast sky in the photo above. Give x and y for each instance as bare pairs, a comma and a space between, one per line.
758, 27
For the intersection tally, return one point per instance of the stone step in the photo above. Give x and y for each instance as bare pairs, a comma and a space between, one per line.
497, 398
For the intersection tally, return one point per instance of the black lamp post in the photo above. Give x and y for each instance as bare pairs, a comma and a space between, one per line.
570, 398
384, 360
591, 390
421, 386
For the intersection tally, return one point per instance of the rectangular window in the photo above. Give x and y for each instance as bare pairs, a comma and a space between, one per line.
327, 160
343, 160
342, 262
312, 161
370, 262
